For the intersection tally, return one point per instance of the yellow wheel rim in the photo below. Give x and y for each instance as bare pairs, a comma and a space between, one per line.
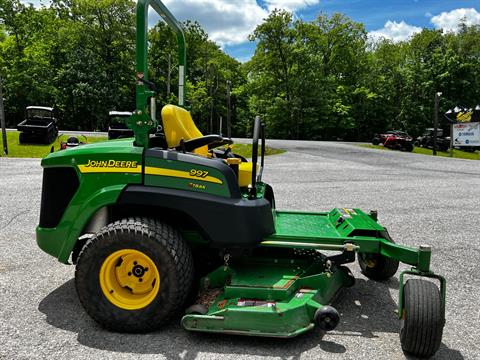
129, 279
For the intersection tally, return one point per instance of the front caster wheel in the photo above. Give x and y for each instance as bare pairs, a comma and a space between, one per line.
376, 266
423, 318
134, 275
327, 318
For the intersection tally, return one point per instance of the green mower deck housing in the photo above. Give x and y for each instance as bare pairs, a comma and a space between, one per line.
156, 225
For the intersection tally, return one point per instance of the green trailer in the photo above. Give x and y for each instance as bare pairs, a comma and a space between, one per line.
176, 222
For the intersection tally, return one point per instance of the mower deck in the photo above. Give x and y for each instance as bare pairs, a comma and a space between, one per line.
266, 296
279, 297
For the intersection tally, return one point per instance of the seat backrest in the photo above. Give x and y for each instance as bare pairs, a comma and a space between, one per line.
177, 125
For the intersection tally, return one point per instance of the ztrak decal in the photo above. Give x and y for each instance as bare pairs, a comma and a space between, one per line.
197, 186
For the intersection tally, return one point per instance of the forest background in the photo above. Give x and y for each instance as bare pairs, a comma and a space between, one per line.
317, 80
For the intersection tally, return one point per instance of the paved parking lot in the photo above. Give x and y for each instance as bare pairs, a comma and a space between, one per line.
420, 199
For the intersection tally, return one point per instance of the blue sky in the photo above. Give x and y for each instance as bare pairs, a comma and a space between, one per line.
374, 14
229, 22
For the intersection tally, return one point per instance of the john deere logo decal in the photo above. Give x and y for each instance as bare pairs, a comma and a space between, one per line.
112, 164
108, 166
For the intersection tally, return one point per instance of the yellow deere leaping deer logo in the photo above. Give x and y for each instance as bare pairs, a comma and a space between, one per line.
464, 116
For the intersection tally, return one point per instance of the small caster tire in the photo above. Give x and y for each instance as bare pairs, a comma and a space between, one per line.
327, 318
423, 318
376, 266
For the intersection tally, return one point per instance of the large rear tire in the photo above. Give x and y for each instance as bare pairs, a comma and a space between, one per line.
423, 318
134, 275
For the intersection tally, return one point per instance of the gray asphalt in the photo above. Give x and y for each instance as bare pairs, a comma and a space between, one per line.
421, 199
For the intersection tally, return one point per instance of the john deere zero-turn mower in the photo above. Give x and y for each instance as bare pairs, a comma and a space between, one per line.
167, 222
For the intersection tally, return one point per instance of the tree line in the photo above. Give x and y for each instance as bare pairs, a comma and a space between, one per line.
320, 79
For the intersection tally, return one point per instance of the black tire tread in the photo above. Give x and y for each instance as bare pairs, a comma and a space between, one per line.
422, 330
385, 268
169, 239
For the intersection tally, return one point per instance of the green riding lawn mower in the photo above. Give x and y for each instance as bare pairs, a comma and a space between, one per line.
172, 221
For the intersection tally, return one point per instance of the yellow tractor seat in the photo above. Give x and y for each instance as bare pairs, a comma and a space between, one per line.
178, 125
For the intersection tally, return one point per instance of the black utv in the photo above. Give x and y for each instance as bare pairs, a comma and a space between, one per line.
39, 126
426, 140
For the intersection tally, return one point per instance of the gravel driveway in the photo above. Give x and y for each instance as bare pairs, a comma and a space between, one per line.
421, 199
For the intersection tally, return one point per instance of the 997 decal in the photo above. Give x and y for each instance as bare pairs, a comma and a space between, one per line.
199, 173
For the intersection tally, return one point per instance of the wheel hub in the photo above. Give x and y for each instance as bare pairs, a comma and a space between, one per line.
129, 279
139, 271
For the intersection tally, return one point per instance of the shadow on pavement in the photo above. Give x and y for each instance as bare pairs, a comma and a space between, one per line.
365, 309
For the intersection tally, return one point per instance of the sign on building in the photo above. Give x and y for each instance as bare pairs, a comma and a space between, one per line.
466, 134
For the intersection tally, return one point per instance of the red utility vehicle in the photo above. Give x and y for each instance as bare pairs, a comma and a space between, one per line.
395, 140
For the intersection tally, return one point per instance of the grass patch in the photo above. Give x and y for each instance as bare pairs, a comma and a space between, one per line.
246, 150
17, 150
459, 154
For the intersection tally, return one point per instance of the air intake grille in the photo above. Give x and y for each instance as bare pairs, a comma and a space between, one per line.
59, 186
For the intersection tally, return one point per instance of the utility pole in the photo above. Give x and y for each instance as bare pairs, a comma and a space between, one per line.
205, 71
435, 121
229, 110
169, 75
213, 92
451, 140
2, 121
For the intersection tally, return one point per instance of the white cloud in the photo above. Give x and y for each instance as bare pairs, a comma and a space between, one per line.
36, 3
228, 22
290, 5
449, 21
395, 31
